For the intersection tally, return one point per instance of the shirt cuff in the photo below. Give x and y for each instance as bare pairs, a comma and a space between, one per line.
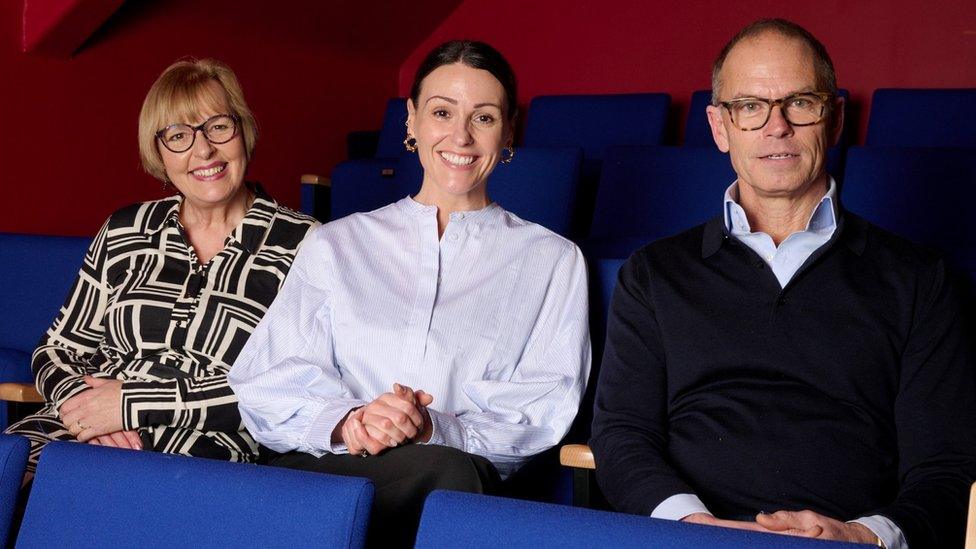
678, 507
318, 437
889, 534
446, 430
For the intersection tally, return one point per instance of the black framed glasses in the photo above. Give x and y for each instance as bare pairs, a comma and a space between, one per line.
799, 109
217, 129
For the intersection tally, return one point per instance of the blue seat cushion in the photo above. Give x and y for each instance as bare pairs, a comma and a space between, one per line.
15, 366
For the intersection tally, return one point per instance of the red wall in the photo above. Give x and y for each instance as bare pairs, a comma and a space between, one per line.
311, 71
561, 47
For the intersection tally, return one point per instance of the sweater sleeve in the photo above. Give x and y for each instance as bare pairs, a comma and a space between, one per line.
630, 433
935, 412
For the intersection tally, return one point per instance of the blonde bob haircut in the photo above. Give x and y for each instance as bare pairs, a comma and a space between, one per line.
179, 95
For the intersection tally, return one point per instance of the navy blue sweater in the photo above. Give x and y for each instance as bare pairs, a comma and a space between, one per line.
850, 392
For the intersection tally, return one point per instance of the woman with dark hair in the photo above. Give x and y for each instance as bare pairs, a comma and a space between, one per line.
438, 342
170, 289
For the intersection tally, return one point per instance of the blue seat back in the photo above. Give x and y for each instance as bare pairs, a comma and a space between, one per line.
540, 185
36, 273
394, 129
922, 118
919, 193
697, 131
93, 496
597, 122
648, 193
13, 463
454, 519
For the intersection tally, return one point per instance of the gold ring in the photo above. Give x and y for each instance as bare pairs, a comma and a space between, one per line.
80, 425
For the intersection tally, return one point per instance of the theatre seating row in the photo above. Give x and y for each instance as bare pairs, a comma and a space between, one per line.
649, 192
36, 273
898, 118
92, 496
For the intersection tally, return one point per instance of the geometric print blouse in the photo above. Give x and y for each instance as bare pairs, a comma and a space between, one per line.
144, 310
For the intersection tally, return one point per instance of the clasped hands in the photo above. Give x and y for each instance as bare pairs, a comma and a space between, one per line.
392, 419
805, 524
95, 415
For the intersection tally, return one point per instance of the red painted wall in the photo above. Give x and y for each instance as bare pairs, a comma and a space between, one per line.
311, 71
615, 46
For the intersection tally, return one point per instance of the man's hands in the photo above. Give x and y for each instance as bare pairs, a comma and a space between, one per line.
705, 518
391, 419
97, 412
812, 525
805, 524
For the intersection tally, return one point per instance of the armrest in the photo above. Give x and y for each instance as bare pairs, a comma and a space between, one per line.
971, 522
314, 179
578, 456
19, 392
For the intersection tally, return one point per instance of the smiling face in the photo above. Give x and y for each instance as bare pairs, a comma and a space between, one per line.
460, 128
777, 160
208, 175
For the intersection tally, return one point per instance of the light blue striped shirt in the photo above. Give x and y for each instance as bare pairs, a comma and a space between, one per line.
490, 319
792, 252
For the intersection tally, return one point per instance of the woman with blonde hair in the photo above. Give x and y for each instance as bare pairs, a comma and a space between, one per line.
170, 289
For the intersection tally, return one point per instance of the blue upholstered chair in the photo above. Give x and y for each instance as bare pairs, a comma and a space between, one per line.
922, 118
597, 122
699, 134
540, 185
36, 273
394, 128
454, 519
13, 463
647, 193
93, 496
922, 194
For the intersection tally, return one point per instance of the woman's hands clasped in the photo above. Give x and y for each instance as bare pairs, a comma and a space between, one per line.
392, 419
95, 415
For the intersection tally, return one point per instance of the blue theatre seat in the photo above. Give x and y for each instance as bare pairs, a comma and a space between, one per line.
36, 273
394, 128
597, 122
454, 519
13, 463
922, 194
540, 185
647, 193
922, 118
93, 496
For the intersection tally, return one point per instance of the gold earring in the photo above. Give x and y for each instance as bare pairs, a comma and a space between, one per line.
410, 143
511, 155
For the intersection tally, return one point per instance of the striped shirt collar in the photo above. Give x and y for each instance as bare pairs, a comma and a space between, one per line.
823, 218
485, 215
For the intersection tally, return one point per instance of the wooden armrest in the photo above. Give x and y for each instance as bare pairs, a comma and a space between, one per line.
19, 392
577, 455
313, 179
971, 523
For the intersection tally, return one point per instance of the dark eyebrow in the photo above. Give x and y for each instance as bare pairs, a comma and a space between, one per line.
479, 105
448, 99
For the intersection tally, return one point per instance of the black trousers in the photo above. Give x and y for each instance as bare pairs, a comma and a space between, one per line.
402, 478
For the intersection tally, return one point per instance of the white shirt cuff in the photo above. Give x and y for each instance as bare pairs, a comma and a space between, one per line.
889, 534
447, 430
678, 507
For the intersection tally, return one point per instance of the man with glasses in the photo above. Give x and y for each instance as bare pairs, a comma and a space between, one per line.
787, 366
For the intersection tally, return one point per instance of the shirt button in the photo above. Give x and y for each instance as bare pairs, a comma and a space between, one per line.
453, 237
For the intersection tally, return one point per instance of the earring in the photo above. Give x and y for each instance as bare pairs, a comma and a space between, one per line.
511, 155
166, 184
410, 143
